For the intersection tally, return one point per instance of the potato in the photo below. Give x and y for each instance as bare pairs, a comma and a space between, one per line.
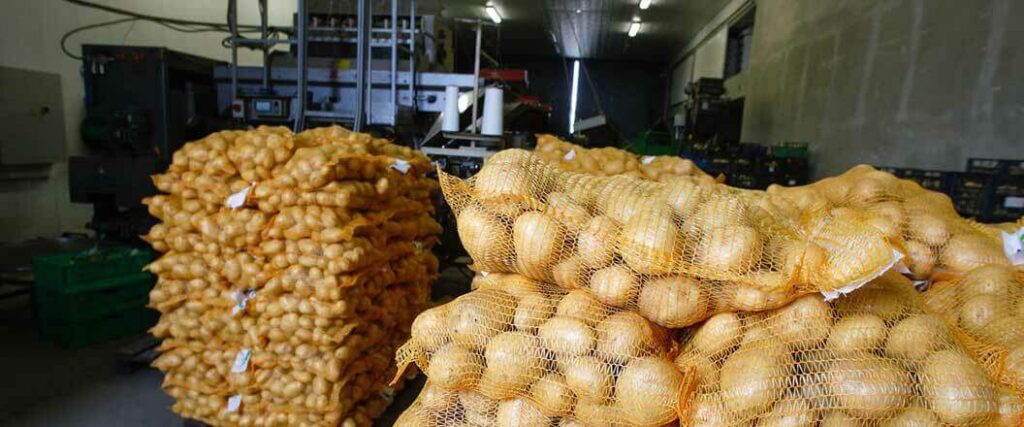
718, 335
514, 361
1011, 409
430, 328
516, 285
649, 241
790, 413
991, 279
1013, 366
707, 410
719, 211
581, 306
454, 367
708, 371
477, 408
857, 332
917, 336
624, 336
968, 251
474, 318
502, 176
437, 398
615, 286
552, 395
868, 386
595, 243
682, 196
878, 302
752, 378
914, 417
957, 389
588, 377
921, 259
838, 418
566, 336
597, 414
804, 323
567, 273
647, 391
674, 301
739, 297
538, 242
532, 310
807, 259
979, 311
928, 228
734, 248
520, 413
485, 238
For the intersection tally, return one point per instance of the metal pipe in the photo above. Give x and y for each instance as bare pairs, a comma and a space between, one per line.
394, 62
360, 63
233, 25
368, 76
412, 54
266, 46
476, 74
300, 95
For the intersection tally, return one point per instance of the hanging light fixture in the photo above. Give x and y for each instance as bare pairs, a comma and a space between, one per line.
493, 12
644, 4
634, 27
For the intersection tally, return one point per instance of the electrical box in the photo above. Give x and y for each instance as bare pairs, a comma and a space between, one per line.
32, 118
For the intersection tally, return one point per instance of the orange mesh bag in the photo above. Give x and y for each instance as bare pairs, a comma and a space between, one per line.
676, 253
923, 224
874, 357
610, 161
987, 303
293, 267
561, 352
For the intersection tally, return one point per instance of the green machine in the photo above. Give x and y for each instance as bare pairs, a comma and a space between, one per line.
654, 143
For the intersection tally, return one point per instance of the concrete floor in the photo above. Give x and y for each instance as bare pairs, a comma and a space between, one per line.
45, 385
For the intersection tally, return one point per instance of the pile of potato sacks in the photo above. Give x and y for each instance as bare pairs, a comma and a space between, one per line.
608, 161
615, 301
293, 267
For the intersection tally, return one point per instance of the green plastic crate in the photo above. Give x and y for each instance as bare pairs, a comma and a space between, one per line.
117, 325
69, 270
91, 300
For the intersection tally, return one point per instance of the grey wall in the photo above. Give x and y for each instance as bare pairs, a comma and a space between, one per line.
906, 83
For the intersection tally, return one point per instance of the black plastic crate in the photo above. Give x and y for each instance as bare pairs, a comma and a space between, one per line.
1000, 167
971, 192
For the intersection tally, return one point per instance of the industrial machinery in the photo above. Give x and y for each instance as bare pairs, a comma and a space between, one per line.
141, 105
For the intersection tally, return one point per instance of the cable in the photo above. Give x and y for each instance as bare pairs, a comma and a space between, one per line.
155, 18
64, 39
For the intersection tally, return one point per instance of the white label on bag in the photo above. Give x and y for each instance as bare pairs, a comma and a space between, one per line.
241, 360
647, 160
484, 274
1013, 246
571, 154
241, 297
233, 403
833, 294
401, 166
237, 200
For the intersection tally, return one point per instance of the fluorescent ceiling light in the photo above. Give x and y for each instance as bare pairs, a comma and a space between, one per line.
575, 93
493, 13
634, 28
644, 4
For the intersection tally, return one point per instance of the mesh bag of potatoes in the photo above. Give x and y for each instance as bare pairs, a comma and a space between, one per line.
610, 161
558, 353
874, 357
987, 303
677, 253
293, 268
922, 224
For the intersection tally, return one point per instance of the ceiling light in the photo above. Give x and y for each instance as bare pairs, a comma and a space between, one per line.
493, 13
553, 38
634, 28
644, 4
578, 11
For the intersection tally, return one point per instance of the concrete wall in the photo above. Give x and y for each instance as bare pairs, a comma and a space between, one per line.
907, 83
30, 33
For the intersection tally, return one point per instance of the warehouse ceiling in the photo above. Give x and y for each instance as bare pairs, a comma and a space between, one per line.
593, 28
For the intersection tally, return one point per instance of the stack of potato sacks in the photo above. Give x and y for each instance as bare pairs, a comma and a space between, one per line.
608, 301
608, 161
293, 267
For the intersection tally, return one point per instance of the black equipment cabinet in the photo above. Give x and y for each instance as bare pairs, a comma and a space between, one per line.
141, 105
